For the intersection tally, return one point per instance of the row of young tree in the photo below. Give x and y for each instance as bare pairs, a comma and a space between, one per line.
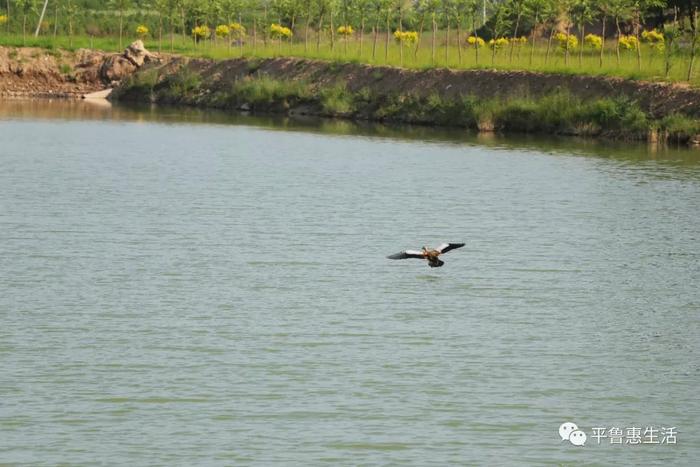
307, 20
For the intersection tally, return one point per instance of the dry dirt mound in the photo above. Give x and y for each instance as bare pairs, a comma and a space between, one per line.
36, 72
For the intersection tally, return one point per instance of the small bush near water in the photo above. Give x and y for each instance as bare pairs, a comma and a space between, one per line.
263, 91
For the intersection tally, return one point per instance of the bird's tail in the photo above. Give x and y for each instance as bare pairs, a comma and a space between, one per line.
436, 264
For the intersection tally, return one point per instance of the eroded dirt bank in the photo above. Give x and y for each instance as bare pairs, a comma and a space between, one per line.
35, 72
656, 99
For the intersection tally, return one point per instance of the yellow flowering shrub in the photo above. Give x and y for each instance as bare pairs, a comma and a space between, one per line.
237, 30
561, 39
346, 30
655, 39
406, 37
142, 30
628, 42
519, 40
593, 41
201, 32
498, 43
475, 41
222, 31
652, 36
280, 32
3, 19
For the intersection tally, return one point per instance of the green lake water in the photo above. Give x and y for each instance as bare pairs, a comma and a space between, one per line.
181, 287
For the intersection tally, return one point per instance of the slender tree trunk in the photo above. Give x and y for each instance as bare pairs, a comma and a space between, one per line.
255, 34
121, 25
566, 50
279, 39
267, 25
184, 27
375, 32
8, 16
549, 44
476, 40
693, 44
172, 32
602, 45
55, 23
345, 36
420, 35
532, 38
332, 34
493, 52
459, 40
447, 42
318, 33
240, 33
580, 45
434, 40
24, 30
291, 38
306, 31
639, 44
515, 34
669, 45
362, 32
400, 37
228, 38
41, 19
386, 42
617, 40
160, 31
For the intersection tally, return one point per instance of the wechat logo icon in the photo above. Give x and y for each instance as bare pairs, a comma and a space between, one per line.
569, 432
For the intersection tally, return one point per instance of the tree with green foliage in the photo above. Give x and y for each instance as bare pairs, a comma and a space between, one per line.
639, 9
402, 7
518, 8
71, 11
539, 11
41, 18
363, 9
472, 9
120, 6
500, 24
620, 10
583, 12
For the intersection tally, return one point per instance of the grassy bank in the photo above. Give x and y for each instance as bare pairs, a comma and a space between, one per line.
418, 56
558, 112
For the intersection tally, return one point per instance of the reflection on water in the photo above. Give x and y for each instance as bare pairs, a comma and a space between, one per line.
181, 287
103, 110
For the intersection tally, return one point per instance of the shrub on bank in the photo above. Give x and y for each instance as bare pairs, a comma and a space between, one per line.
263, 92
278, 31
562, 39
593, 41
475, 41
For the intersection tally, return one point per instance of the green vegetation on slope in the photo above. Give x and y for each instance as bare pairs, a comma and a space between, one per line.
556, 113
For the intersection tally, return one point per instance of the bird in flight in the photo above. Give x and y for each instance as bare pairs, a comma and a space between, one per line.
428, 253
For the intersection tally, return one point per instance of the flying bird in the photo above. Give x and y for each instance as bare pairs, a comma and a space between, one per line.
429, 254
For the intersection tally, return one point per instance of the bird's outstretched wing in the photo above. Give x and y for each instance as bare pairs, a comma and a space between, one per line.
407, 254
445, 247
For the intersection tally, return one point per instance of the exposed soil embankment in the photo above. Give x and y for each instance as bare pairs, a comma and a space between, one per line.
656, 99
480, 99
35, 72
